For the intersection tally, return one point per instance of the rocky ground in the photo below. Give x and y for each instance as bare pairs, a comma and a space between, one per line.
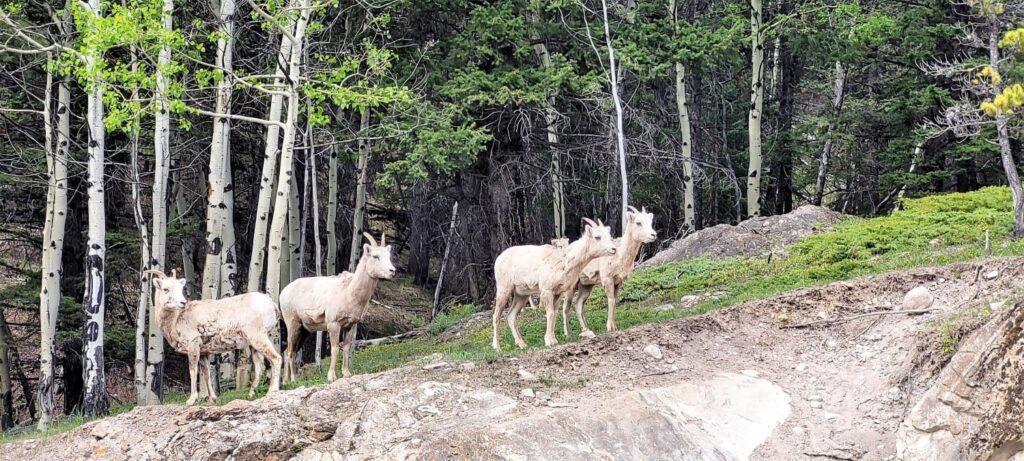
760, 380
750, 238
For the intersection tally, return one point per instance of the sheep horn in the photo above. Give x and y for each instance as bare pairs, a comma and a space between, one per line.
633, 209
174, 273
645, 209
383, 237
370, 238
156, 273
590, 222
600, 223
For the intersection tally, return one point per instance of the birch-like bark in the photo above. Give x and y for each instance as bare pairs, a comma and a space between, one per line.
682, 106
258, 257
6, 389
550, 118
229, 257
826, 150
359, 212
444, 261
95, 401
53, 242
294, 233
332, 213
161, 171
142, 308
279, 223
756, 108
620, 135
216, 199
188, 249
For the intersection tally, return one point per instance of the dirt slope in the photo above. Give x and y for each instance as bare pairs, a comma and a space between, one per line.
730, 385
753, 237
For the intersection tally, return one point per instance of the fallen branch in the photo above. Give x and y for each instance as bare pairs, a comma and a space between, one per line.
387, 339
858, 316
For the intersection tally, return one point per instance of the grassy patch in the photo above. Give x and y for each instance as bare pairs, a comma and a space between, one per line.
929, 231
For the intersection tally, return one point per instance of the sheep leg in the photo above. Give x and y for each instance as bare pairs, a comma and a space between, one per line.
581, 298
257, 362
565, 314
335, 333
548, 301
346, 350
611, 291
193, 376
265, 348
207, 369
500, 301
517, 305
289, 352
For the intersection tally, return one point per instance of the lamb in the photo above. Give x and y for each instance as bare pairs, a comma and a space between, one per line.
202, 328
334, 303
522, 271
610, 271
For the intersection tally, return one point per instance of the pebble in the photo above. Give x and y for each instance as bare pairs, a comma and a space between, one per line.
654, 351
918, 298
466, 366
528, 393
526, 375
801, 367
434, 366
992, 274
665, 307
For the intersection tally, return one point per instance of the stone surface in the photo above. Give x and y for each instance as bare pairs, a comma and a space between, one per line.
654, 351
917, 298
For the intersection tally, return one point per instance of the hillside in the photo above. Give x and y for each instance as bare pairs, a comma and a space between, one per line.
715, 361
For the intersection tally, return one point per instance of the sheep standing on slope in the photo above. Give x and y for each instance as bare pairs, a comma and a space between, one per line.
522, 271
611, 271
212, 326
334, 303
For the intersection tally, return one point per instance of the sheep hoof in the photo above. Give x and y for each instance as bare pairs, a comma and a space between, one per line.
192, 400
521, 345
587, 334
550, 342
252, 394
496, 347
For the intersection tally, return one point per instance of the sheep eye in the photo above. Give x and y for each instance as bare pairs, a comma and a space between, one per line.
376, 257
597, 238
167, 290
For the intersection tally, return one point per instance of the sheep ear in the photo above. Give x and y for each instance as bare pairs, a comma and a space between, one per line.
366, 248
158, 283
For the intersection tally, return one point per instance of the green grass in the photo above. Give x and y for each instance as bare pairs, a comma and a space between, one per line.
929, 231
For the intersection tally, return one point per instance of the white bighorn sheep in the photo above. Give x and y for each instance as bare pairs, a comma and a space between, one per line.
559, 243
524, 270
212, 326
610, 271
333, 303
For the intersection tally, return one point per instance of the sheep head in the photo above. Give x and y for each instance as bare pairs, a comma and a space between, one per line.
168, 291
377, 257
598, 239
641, 225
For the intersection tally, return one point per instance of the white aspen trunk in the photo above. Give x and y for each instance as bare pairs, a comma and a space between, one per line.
215, 210
95, 401
317, 262
161, 171
257, 260
142, 308
285, 177
294, 232
756, 107
53, 242
188, 267
359, 212
550, 118
332, 213
1003, 132
228, 268
826, 150
620, 134
682, 106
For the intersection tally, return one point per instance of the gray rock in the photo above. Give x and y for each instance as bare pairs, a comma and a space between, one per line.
527, 376
654, 351
918, 298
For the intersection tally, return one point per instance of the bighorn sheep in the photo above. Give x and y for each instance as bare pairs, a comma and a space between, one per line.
334, 303
559, 243
522, 271
211, 326
610, 271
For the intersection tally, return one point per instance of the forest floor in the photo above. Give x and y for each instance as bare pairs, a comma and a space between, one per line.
830, 379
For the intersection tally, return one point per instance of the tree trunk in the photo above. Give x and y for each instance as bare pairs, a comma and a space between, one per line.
1002, 120
444, 261
188, 247
229, 257
620, 135
216, 193
689, 198
257, 260
53, 242
279, 223
788, 69
95, 401
359, 212
332, 213
144, 261
550, 117
826, 150
294, 232
6, 390
756, 107
162, 159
